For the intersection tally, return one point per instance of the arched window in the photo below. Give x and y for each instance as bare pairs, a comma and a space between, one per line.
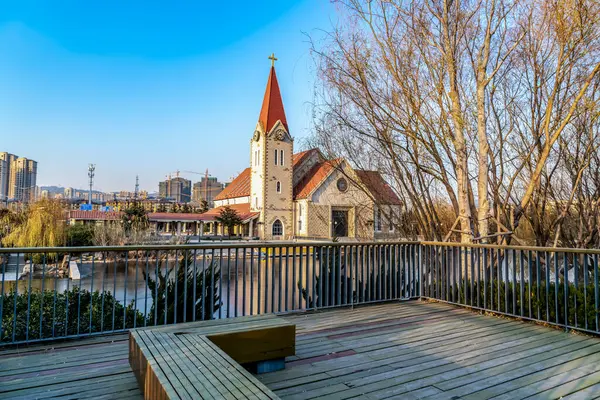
278, 187
281, 157
277, 228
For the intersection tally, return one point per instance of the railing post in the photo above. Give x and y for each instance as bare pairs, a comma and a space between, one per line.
421, 269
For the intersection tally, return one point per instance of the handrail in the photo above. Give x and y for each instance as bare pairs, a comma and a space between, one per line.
197, 246
509, 247
283, 244
59, 292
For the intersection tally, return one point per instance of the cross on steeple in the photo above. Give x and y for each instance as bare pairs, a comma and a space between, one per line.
273, 59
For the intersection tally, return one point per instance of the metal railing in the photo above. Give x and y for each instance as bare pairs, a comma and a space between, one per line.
557, 286
53, 293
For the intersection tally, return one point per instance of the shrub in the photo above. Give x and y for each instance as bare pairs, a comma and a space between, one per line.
177, 292
68, 313
581, 295
378, 283
80, 235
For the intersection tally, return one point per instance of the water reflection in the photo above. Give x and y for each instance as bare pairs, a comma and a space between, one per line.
248, 285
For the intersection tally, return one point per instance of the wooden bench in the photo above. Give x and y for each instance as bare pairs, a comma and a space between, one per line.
202, 359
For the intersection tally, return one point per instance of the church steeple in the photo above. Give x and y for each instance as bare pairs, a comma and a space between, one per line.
272, 107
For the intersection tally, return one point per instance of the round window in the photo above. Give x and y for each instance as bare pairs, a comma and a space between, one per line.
342, 184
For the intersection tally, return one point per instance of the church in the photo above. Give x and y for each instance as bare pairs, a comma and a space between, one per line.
284, 195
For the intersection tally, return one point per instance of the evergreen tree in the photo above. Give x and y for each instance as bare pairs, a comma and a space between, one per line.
134, 217
172, 291
229, 218
80, 235
203, 207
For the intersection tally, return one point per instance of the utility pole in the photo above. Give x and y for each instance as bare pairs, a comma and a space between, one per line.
206, 186
91, 169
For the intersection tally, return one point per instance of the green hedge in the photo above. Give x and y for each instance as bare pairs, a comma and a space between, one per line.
581, 295
70, 313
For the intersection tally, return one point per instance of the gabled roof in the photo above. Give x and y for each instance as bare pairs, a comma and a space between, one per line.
380, 190
314, 178
299, 157
239, 187
272, 107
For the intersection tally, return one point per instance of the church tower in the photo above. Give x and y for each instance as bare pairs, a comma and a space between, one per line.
271, 169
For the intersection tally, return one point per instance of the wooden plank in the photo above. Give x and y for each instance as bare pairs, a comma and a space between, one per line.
18, 383
408, 378
569, 387
552, 378
184, 378
402, 361
461, 352
158, 372
544, 379
192, 326
110, 384
591, 392
397, 354
441, 374
382, 344
63, 344
226, 378
486, 377
244, 340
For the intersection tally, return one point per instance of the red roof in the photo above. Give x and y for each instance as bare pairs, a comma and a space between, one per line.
82, 215
272, 107
299, 157
239, 187
379, 188
314, 178
116, 215
165, 216
243, 211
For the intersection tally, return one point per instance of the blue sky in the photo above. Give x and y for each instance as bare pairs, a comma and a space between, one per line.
149, 87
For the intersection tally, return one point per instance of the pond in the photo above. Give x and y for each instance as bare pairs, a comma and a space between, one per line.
246, 283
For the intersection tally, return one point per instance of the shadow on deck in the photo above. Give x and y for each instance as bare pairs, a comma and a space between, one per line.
406, 350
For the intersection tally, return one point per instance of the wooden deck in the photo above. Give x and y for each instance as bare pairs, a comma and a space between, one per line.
405, 350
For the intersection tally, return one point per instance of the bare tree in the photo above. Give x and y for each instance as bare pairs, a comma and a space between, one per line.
460, 103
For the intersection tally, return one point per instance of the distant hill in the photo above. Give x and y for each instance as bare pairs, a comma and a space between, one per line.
53, 189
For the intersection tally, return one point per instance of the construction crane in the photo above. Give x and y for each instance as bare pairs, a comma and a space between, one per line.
178, 172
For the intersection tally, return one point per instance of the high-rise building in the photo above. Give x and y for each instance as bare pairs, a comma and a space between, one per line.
18, 178
5, 161
22, 179
3, 180
176, 189
206, 189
